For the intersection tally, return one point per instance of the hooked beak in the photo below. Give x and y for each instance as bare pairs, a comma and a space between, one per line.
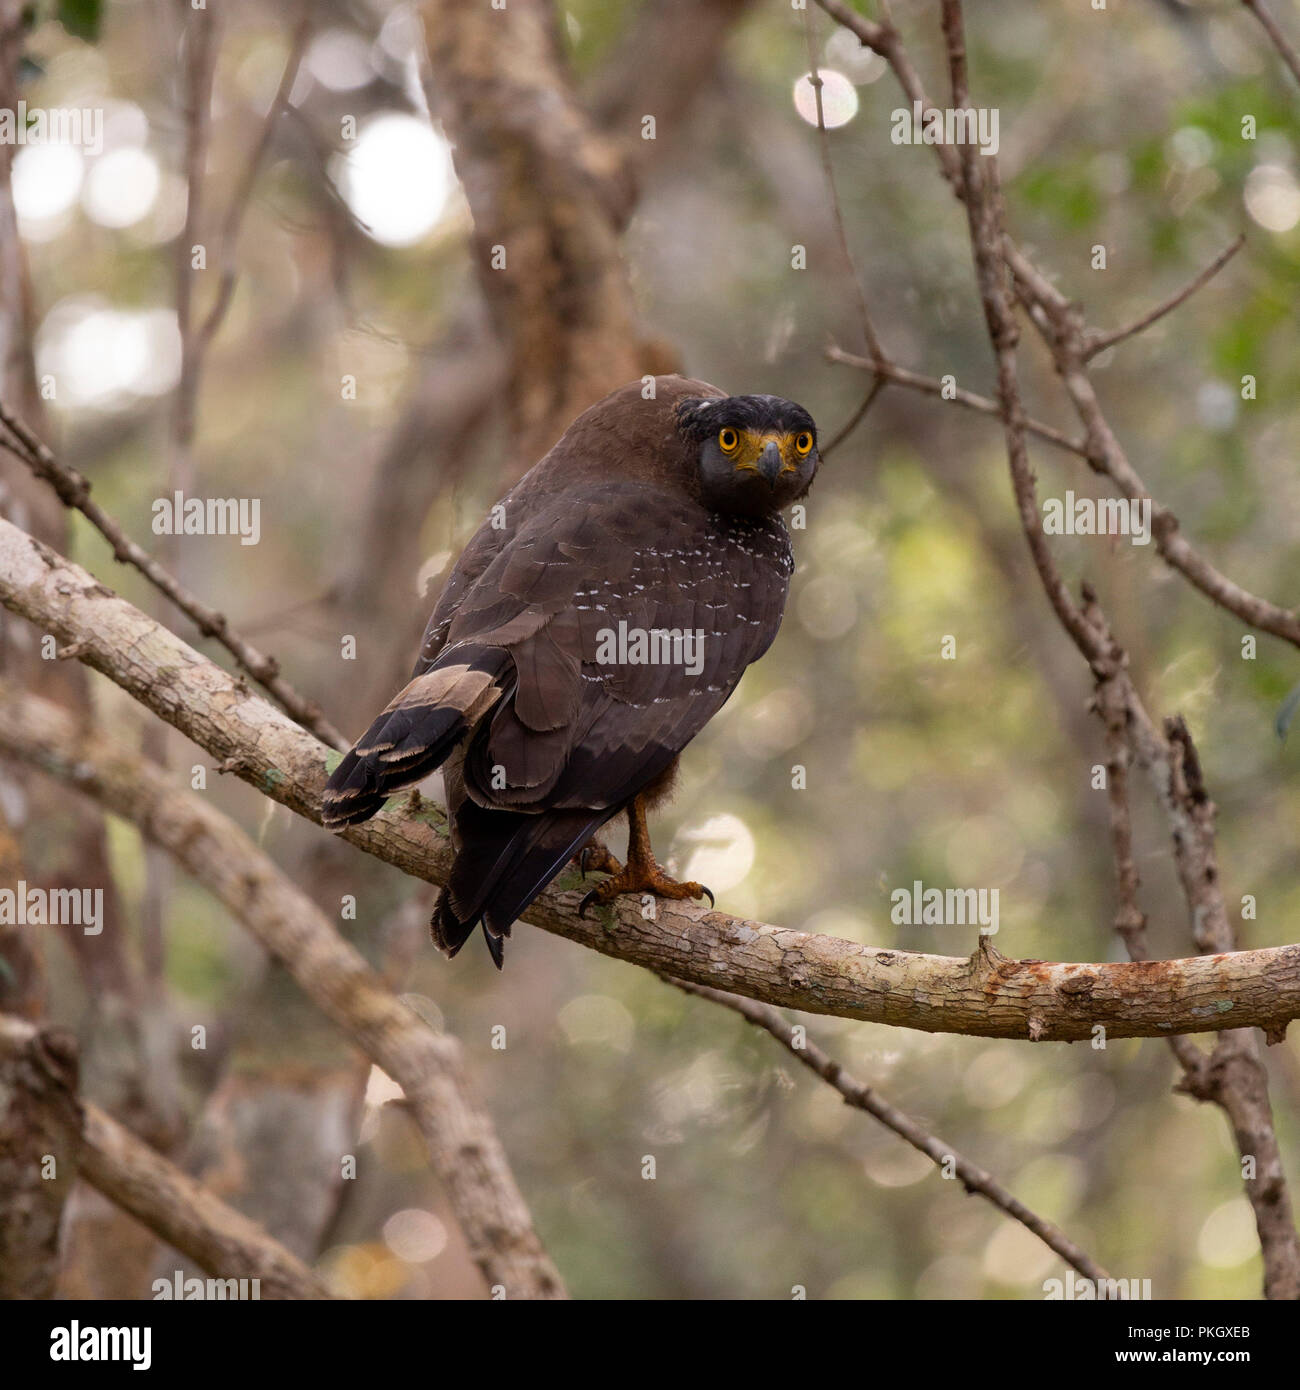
770, 462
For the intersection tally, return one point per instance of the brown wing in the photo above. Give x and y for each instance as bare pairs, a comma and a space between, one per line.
580, 730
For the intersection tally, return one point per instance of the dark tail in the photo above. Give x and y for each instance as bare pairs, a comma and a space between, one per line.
506, 858
414, 735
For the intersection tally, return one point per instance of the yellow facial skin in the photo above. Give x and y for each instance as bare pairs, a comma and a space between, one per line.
744, 447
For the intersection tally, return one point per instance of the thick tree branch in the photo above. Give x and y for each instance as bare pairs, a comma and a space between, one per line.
985, 995
222, 1241
459, 1139
40, 1125
549, 195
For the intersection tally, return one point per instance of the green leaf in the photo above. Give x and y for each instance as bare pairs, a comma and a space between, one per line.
81, 18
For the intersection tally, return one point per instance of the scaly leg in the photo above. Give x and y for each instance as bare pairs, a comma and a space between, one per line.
641, 873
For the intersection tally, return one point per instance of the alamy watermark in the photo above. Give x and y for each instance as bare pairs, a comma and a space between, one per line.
55, 125
1074, 1288
1105, 516
655, 646
52, 907
73, 1342
193, 1289
179, 515
960, 125
920, 906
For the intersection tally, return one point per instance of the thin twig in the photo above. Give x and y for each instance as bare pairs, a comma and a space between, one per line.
874, 348
1095, 342
73, 490
242, 196
1279, 40
862, 1097
932, 386
878, 384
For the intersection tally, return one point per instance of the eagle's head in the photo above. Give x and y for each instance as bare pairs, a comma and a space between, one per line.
755, 454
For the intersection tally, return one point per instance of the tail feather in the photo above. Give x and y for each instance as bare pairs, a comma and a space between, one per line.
414, 735
505, 860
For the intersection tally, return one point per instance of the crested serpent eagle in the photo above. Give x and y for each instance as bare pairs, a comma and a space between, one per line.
594, 624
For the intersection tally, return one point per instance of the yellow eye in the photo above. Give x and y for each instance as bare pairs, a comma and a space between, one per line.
803, 443
728, 441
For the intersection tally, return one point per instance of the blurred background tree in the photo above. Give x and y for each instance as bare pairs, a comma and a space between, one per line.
358, 263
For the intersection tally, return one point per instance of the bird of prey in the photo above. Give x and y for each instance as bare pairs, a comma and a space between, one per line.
593, 625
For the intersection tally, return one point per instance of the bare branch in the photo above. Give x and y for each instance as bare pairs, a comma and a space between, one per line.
1061, 326
1095, 342
240, 199
884, 39
1130, 920
862, 1097
1234, 1076
875, 351
1112, 705
1278, 39
932, 386
983, 202
459, 1139
1201, 1077
218, 1238
199, 48
984, 995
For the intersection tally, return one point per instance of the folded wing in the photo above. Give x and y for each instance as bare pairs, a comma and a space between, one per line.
554, 676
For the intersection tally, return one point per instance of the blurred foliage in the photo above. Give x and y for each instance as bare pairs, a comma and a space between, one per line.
1122, 128
81, 18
